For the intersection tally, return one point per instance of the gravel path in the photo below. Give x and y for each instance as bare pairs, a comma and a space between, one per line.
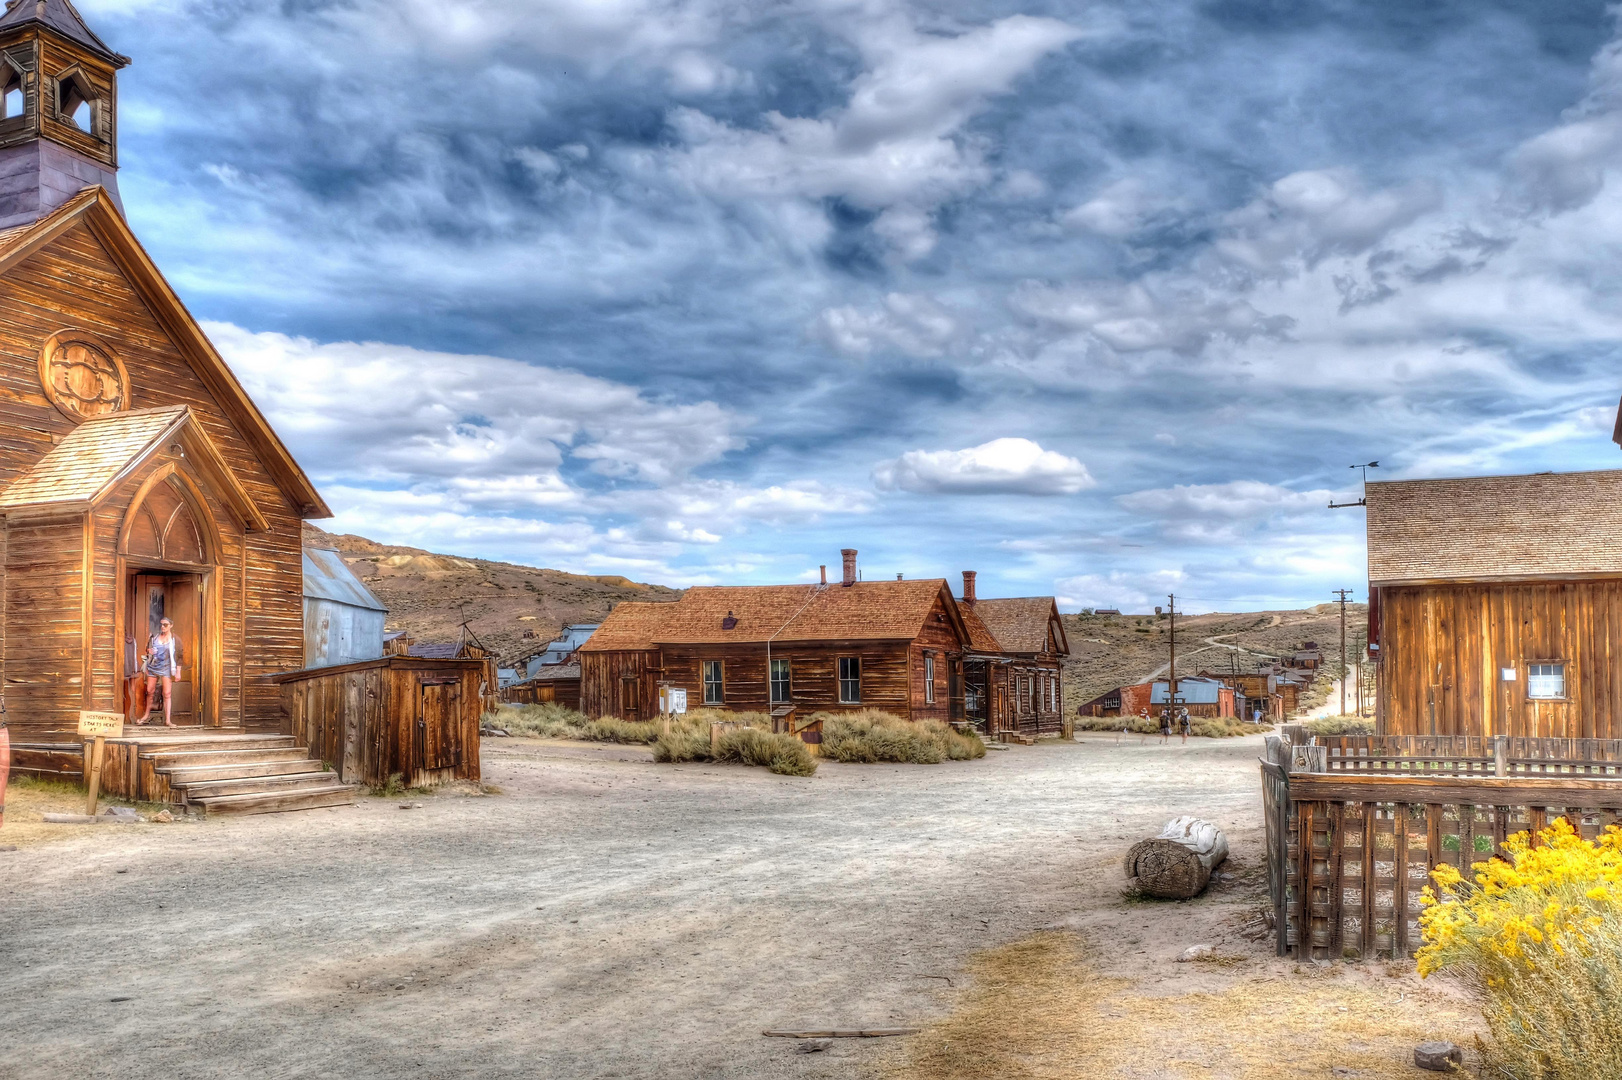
604, 917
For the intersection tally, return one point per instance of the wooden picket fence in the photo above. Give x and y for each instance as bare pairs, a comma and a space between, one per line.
1350, 847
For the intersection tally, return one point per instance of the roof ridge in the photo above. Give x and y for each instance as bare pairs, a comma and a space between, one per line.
62, 17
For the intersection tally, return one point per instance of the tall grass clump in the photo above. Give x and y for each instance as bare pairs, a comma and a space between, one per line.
1340, 725
1209, 727
549, 720
869, 736
749, 745
1538, 936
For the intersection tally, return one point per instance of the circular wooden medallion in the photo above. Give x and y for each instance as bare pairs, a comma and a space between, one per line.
82, 376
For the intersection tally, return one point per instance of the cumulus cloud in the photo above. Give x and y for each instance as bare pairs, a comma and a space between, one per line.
1234, 500
1001, 466
913, 325
1308, 216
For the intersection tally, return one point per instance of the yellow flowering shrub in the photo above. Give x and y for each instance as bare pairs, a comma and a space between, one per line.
1538, 934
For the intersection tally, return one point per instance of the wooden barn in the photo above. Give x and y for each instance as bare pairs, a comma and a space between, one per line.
137, 479
891, 645
1015, 668
1495, 605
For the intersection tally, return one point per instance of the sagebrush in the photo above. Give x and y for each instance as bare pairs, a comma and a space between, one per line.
869, 736
1538, 935
1340, 725
1208, 727
753, 743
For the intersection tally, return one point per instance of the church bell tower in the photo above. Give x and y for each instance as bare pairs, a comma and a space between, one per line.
58, 110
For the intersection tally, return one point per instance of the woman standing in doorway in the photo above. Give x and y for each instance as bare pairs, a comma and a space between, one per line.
162, 662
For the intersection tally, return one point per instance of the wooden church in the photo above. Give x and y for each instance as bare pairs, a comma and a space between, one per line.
137, 478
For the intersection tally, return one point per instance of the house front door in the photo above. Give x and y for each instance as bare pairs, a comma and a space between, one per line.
154, 596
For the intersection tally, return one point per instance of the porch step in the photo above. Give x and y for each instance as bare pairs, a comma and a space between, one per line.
197, 790
161, 741
172, 759
275, 802
183, 775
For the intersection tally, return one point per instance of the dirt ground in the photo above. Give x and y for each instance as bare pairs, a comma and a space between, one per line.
607, 917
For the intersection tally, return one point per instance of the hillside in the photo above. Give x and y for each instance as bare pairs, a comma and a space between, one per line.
429, 595
1107, 651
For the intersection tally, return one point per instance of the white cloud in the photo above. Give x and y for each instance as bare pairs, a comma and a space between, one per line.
894, 149
1133, 593
1001, 466
1308, 216
912, 324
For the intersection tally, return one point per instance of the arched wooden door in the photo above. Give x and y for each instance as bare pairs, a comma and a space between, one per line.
168, 552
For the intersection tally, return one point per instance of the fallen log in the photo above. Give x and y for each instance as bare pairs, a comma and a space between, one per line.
1177, 864
840, 1033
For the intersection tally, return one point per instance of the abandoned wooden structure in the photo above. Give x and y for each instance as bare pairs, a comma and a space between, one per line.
1495, 605
559, 683
410, 717
891, 645
1024, 673
138, 481
1356, 824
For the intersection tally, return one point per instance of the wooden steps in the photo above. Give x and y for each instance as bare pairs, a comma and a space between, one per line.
240, 774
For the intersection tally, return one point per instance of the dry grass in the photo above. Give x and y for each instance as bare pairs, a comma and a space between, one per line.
1036, 1010
869, 736
751, 745
1207, 727
1340, 725
27, 799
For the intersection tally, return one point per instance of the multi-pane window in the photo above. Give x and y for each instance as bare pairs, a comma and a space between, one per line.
929, 680
780, 682
850, 679
1545, 681
714, 687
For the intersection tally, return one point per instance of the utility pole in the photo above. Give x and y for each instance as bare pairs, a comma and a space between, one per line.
1171, 684
1342, 593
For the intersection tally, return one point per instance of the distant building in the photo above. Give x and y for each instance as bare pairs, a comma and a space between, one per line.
343, 621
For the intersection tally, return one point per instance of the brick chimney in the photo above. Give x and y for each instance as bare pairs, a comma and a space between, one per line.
968, 587
849, 555
824, 569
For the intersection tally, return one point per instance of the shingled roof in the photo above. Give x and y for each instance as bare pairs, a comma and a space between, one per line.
865, 611
64, 18
1020, 623
981, 639
1495, 527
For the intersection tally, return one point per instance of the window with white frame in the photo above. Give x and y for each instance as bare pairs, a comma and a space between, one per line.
850, 680
929, 679
714, 685
1546, 682
780, 681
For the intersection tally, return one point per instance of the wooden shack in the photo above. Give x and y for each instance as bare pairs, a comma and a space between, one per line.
1495, 605
556, 683
1030, 636
343, 621
408, 717
890, 645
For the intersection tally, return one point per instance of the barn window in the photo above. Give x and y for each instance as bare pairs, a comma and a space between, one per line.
1546, 682
714, 687
850, 680
929, 680
780, 682
11, 87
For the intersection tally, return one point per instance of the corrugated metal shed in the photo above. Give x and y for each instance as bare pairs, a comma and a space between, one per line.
343, 621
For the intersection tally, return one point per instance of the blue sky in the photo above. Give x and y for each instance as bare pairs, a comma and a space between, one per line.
1100, 300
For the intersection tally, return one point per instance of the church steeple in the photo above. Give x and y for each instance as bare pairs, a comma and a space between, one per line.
58, 109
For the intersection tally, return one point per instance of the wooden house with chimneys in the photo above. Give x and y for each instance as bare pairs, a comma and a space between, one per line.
138, 481
1014, 673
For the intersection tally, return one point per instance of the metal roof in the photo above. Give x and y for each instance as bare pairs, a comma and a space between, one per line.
328, 577
1192, 691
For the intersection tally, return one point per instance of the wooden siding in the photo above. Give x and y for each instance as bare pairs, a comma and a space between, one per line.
258, 581
621, 684
415, 717
1449, 642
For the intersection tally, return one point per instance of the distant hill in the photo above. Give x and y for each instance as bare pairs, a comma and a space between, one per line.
429, 595
1107, 651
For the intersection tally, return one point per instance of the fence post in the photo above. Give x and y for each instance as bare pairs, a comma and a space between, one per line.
1500, 755
1308, 759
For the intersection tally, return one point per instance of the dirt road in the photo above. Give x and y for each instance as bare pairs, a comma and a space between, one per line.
603, 917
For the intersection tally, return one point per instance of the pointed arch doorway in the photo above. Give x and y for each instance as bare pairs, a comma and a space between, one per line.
168, 563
